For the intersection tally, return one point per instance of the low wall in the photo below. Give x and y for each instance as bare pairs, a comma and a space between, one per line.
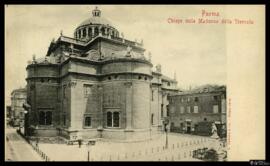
126, 135
46, 132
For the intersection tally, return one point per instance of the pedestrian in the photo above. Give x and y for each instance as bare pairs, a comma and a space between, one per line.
37, 141
80, 143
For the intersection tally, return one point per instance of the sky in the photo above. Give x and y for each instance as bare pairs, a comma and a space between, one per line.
195, 52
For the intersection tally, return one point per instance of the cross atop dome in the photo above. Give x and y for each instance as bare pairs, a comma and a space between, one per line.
96, 12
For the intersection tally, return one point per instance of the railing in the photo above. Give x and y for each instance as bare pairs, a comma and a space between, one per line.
41, 153
185, 150
175, 152
35, 147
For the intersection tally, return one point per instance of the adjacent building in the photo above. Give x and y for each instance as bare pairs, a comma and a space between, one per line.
8, 114
196, 110
96, 85
18, 97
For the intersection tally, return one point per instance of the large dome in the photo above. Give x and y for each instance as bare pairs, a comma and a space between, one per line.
94, 26
96, 20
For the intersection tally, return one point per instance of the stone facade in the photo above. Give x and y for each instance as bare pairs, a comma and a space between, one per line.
96, 85
195, 111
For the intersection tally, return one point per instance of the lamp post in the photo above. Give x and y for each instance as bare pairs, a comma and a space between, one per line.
88, 153
90, 142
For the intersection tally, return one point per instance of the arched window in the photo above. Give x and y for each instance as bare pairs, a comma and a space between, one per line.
109, 119
48, 118
45, 117
103, 31
96, 31
79, 33
87, 121
113, 119
116, 119
84, 32
42, 118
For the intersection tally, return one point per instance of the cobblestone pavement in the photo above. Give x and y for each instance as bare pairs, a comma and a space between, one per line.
180, 149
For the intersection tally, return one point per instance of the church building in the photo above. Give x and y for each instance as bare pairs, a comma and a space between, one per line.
96, 85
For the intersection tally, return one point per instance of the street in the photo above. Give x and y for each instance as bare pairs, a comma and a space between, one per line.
17, 149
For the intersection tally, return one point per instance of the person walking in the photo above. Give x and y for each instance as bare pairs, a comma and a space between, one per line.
37, 141
80, 143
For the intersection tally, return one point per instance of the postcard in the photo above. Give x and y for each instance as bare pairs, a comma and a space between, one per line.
135, 82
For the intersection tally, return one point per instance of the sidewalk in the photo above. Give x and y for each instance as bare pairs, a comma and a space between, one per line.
17, 149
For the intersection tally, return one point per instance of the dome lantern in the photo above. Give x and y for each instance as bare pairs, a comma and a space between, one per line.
96, 12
